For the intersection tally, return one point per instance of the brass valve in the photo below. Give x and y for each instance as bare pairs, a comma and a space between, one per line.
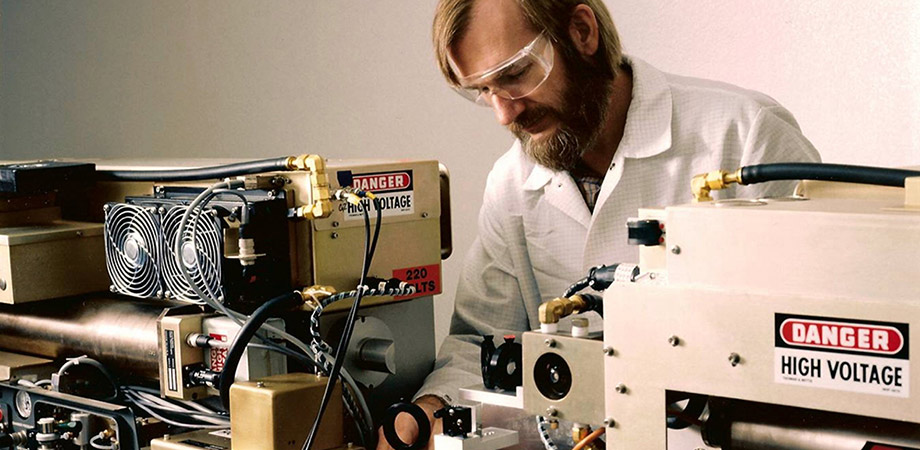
553, 310
703, 183
322, 204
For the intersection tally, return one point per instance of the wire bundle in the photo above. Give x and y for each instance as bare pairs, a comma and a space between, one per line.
370, 246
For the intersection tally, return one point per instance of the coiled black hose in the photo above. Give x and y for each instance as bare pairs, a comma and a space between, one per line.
826, 172
199, 173
256, 320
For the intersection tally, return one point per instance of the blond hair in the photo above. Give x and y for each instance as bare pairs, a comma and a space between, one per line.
551, 16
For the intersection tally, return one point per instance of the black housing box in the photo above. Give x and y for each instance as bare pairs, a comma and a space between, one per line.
45, 176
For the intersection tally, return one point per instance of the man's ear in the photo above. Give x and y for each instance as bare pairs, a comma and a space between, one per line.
583, 30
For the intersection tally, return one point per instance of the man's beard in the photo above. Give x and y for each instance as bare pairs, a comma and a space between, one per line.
585, 98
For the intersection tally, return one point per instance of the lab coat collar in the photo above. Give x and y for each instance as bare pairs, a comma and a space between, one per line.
648, 121
539, 176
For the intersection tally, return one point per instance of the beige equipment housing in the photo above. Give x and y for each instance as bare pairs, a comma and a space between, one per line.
784, 323
59, 299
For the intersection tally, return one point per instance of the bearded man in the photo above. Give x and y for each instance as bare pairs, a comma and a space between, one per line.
599, 135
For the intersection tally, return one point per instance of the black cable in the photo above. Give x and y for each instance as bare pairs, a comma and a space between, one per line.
825, 172
305, 360
255, 321
349, 327
376, 234
244, 212
200, 173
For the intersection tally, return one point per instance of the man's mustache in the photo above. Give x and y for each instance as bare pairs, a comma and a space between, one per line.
528, 118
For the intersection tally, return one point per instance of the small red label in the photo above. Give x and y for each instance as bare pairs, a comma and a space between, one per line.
392, 181
875, 446
218, 355
426, 279
842, 336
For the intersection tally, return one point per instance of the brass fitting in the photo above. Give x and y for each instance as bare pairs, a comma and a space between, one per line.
557, 308
579, 433
313, 295
703, 183
322, 204
313, 163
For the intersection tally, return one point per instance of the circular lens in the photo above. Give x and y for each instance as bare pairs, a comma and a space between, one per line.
552, 376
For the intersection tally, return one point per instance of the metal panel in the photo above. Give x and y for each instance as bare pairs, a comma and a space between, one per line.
712, 324
833, 247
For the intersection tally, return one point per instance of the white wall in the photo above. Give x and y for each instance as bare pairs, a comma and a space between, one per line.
350, 78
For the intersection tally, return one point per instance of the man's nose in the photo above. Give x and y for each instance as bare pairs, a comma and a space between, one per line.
506, 110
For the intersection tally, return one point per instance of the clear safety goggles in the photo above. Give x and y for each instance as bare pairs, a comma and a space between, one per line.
511, 79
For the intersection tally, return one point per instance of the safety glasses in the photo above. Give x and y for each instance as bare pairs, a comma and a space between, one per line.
511, 79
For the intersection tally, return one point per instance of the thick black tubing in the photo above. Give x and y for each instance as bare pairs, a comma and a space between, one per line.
256, 320
826, 172
200, 173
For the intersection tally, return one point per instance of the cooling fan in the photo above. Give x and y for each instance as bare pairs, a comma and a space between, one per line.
133, 248
200, 250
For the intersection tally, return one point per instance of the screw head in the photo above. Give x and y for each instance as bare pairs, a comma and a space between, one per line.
424, 215
734, 359
335, 235
2, 284
609, 422
335, 223
675, 249
674, 341
609, 351
551, 343
552, 411
260, 384
620, 388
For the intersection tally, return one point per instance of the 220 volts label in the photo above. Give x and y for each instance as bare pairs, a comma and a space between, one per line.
394, 191
425, 279
843, 354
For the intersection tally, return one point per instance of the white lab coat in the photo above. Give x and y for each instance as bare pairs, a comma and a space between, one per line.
537, 236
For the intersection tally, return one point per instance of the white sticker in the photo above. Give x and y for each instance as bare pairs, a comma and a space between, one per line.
854, 373
394, 191
842, 354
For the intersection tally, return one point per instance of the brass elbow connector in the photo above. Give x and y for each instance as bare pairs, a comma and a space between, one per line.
313, 163
703, 183
321, 205
313, 295
553, 310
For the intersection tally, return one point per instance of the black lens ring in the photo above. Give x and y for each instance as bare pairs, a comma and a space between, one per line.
417, 413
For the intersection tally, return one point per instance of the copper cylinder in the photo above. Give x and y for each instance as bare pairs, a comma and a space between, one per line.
120, 333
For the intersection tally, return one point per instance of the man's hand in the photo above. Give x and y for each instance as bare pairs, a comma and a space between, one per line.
407, 428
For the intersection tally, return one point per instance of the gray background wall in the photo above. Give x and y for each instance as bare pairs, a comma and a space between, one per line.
353, 78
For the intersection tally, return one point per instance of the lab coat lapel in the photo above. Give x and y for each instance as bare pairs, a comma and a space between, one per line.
561, 193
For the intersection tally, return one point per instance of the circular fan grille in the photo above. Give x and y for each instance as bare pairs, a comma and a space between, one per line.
199, 251
132, 247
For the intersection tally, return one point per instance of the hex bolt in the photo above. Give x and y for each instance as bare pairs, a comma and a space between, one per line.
552, 412
609, 351
551, 343
675, 249
609, 422
620, 388
734, 359
674, 341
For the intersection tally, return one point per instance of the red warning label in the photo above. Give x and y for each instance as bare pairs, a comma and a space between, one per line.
426, 279
218, 355
876, 446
